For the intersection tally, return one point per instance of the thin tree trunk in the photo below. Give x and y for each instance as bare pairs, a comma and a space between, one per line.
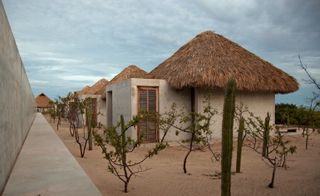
124, 155
193, 127
90, 138
273, 174
303, 131
187, 155
307, 138
58, 123
125, 187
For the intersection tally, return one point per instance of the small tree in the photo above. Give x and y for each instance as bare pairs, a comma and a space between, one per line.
277, 148
82, 141
75, 113
77, 108
90, 122
52, 111
195, 124
314, 101
310, 119
60, 107
116, 146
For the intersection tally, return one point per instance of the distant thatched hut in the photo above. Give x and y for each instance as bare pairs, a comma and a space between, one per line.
84, 90
43, 103
130, 72
99, 109
197, 70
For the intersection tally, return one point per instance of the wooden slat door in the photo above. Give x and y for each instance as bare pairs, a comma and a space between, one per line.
148, 102
94, 111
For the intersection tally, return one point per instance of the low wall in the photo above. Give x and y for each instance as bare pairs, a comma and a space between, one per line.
17, 106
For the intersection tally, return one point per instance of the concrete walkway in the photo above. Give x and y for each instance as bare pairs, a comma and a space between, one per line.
46, 167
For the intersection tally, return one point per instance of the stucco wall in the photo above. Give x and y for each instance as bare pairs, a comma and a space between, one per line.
121, 102
100, 107
17, 103
102, 112
258, 103
182, 100
124, 95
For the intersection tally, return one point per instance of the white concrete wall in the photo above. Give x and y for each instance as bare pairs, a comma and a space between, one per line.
182, 99
17, 104
124, 95
167, 97
102, 111
121, 102
101, 108
258, 103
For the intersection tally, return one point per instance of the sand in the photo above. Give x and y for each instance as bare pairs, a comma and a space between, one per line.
165, 175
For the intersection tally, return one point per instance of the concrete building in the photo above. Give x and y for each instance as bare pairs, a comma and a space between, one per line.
95, 92
198, 71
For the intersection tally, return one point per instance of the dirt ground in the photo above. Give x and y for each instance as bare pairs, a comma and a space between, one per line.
165, 175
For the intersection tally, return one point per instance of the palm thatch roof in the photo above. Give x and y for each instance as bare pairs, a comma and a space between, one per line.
100, 87
132, 71
101, 84
43, 101
209, 60
84, 90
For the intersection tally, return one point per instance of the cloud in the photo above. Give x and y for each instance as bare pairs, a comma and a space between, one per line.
38, 83
71, 43
80, 78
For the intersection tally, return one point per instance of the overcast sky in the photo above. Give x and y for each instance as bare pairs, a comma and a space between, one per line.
67, 44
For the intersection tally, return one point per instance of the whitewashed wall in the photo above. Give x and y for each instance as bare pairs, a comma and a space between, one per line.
101, 109
121, 102
124, 96
258, 103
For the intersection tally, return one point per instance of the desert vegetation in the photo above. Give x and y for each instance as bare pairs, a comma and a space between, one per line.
268, 141
116, 146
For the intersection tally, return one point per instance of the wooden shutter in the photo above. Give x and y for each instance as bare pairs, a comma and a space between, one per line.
94, 111
148, 103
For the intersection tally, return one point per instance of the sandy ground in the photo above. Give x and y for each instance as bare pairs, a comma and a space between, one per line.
166, 177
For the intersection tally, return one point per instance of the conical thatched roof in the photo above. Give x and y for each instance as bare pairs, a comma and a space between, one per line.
101, 84
100, 89
43, 101
84, 90
132, 71
210, 60
94, 89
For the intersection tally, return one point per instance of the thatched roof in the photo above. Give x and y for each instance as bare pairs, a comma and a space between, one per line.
84, 90
132, 71
100, 87
101, 84
43, 101
210, 60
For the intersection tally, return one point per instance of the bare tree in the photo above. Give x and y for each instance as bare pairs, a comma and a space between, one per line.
197, 125
277, 148
314, 103
311, 79
116, 145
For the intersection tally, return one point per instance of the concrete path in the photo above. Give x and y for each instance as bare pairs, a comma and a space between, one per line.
46, 167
